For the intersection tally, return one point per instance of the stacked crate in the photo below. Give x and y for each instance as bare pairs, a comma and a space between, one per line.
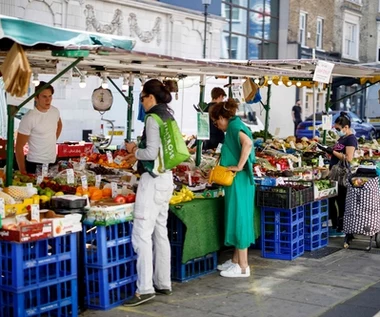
110, 265
282, 232
39, 278
193, 268
316, 225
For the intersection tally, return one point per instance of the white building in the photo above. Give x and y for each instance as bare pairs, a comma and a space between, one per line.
157, 28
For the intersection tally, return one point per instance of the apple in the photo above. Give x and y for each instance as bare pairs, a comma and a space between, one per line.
120, 199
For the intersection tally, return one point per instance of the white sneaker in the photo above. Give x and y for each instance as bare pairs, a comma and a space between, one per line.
235, 271
225, 265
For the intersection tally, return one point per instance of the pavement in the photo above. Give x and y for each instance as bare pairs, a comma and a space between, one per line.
345, 283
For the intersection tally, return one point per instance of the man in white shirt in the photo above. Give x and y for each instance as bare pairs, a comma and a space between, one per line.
40, 128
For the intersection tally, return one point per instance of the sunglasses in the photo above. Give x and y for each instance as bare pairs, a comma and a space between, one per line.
142, 98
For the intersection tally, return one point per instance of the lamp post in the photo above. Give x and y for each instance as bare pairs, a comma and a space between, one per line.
205, 3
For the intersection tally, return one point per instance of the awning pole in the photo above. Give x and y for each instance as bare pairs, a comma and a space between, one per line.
267, 108
201, 105
131, 84
12, 110
327, 108
314, 107
129, 100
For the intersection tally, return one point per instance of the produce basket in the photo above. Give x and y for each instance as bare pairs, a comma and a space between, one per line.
287, 196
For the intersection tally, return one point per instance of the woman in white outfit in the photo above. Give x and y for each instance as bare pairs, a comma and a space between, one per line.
150, 236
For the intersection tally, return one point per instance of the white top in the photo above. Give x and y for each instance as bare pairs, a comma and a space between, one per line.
41, 127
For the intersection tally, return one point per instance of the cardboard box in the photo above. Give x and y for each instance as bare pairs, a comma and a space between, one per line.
326, 193
26, 233
62, 224
108, 213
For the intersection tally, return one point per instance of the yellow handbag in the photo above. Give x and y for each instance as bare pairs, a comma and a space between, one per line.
221, 175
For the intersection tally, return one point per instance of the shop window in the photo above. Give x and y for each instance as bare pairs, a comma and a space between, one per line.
351, 40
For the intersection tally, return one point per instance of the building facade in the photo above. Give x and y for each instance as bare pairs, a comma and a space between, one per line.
158, 26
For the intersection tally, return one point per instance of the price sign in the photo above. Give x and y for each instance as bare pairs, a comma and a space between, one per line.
118, 159
84, 182
258, 172
98, 179
82, 163
45, 170
109, 157
280, 181
2, 208
278, 166
299, 161
114, 189
320, 161
35, 212
39, 179
29, 185
290, 162
70, 176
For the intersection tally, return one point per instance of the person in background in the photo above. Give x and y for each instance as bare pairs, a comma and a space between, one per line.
40, 128
216, 135
150, 235
297, 115
238, 155
344, 149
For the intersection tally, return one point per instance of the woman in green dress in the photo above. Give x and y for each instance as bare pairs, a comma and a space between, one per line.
238, 155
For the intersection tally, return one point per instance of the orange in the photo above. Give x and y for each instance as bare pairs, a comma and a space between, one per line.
107, 192
96, 195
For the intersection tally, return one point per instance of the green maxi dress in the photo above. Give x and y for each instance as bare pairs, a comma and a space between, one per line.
239, 197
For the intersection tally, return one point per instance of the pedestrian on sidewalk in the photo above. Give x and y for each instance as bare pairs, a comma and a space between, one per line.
238, 155
297, 115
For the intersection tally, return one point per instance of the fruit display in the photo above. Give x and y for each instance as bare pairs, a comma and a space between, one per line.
184, 195
121, 159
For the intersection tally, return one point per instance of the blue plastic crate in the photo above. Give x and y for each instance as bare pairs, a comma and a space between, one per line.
106, 245
59, 299
110, 286
26, 265
193, 268
316, 225
176, 230
282, 233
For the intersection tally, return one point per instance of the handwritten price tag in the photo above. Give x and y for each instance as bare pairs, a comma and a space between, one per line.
45, 170
29, 185
82, 163
98, 179
278, 166
109, 157
258, 172
84, 182
118, 160
280, 181
290, 162
114, 189
39, 179
2, 208
70, 176
35, 212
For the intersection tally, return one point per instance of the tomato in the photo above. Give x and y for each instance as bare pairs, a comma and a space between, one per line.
120, 199
130, 198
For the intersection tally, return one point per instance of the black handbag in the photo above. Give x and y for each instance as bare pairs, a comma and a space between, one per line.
341, 173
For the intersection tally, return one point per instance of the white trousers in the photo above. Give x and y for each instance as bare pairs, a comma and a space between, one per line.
150, 234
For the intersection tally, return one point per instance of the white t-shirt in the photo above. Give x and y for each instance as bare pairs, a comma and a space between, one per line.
41, 127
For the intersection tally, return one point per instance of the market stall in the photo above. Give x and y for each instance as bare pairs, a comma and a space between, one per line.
95, 192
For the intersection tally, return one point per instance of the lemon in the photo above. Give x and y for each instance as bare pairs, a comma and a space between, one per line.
59, 194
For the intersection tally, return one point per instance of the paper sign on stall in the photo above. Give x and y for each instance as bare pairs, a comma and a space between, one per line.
2, 208
98, 179
114, 189
323, 71
203, 126
326, 122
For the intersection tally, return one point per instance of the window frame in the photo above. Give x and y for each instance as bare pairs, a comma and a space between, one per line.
353, 20
318, 35
303, 39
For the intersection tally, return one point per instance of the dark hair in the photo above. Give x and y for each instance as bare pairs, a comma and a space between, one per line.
158, 90
225, 109
343, 120
43, 83
217, 92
